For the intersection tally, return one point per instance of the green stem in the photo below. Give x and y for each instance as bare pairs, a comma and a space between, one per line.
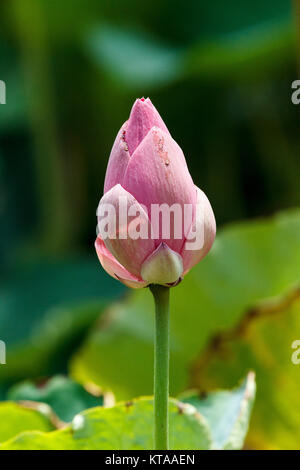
161, 296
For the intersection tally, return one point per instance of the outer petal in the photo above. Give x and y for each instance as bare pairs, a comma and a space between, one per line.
114, 268
130, 252
157, 173
143, 117
163, 266
118, 161
203, 228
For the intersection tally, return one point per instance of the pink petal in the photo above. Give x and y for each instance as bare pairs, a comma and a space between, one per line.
157, 173
126, 214
143, 117
114, 268
204, 227
118, 161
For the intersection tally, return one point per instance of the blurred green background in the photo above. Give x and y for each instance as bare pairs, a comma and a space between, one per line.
220, 74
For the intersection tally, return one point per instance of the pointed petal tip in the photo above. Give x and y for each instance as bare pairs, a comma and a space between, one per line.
118, 160
143, 117
140, 105
163, 266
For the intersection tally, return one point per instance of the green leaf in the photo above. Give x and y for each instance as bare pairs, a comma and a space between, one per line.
65, 397
134, 58
267, 45
46, 309
119, 355
238, 40
201, 20
15, 419
262, 340
227, 412
127, 426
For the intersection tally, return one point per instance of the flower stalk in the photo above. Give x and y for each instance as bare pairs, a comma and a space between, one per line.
161, 296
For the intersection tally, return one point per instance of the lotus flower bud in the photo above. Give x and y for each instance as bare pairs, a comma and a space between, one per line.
154, 224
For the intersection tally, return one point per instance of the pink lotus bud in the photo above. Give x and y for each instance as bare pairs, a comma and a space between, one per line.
154, 224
